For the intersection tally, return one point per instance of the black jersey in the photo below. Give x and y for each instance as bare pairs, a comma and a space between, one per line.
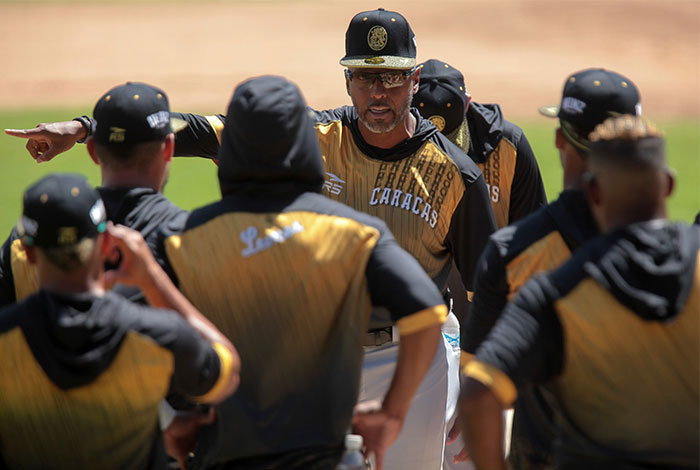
82, 377
290, 277
539, 243
142, 209
505, 157
614, 335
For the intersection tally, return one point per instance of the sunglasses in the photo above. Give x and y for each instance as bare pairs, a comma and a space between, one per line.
392, 79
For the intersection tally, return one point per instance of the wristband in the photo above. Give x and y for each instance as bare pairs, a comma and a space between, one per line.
87, 124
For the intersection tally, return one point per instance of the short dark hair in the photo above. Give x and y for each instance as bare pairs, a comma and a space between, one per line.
135, 155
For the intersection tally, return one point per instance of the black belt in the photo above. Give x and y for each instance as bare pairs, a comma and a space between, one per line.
379, 336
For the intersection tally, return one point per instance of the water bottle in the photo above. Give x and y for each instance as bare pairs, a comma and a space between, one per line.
352, 457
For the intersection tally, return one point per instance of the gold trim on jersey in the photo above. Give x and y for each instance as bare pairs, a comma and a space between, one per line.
108, 423
417, 321
498, 171
491, 377
216, 124
24, 274
642, 375
415, 196
544, 255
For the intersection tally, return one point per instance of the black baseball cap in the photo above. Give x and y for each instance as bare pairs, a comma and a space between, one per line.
589, 98
442, 96
133, 113
60, 210
379, 39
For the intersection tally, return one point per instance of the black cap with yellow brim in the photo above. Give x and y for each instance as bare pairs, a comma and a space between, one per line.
379, 39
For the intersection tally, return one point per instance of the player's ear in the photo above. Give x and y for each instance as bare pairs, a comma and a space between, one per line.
416, 81
168, 147
592, 189
670, 175
90, 144
30, 252
559, 139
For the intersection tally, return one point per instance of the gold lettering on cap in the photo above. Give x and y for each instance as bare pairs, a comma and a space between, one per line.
67, 235
75, 191
43, 198
117, 134
438, 121
377, 38
374, 60
136, 97
596, 82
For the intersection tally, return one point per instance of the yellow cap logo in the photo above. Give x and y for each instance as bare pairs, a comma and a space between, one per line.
377, 38
117, 134
438, 121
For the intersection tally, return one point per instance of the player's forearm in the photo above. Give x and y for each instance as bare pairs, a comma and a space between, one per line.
482, 426
416, 353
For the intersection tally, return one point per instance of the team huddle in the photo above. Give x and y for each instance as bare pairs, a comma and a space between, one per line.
390, 269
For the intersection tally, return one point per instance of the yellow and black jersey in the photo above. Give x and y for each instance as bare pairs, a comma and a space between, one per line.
81, 378
507, 161
430, 194
614, 336
291, 282
141, 209
536, 244
513, 255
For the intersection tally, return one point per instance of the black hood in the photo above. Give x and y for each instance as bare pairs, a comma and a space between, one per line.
486, 127
269, 146
649, 267
73, 337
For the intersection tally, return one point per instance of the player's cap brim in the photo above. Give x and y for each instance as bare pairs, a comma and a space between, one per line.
177, 124
379, 62
551, 110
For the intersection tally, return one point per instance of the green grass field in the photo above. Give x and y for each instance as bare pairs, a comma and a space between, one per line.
193, 180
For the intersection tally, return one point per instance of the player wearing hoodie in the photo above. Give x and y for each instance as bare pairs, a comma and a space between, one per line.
613, 333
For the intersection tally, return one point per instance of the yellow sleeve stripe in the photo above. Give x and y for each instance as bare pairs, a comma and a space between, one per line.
225, 370
423, 319
217, 125
499, 383
464, 358
470, 295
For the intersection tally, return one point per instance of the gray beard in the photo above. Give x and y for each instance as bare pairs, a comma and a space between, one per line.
384, 127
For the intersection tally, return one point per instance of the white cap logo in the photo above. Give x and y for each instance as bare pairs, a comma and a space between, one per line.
573, 105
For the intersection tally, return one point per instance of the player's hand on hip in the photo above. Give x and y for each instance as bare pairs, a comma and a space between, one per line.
180, 437
378, 429
452, 436
46, 141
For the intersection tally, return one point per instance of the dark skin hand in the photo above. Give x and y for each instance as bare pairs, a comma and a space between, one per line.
180, 437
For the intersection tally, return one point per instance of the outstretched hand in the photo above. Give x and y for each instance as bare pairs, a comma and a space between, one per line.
378, 429
46, 141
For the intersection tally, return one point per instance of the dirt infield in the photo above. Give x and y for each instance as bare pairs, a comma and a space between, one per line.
514, 52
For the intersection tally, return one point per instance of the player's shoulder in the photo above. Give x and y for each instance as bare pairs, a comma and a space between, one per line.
512, 240
319, 204
343, 114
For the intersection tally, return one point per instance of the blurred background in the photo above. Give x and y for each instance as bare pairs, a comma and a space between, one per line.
58, 57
